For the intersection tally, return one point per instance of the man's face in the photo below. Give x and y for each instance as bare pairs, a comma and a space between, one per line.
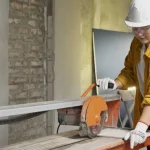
142, 33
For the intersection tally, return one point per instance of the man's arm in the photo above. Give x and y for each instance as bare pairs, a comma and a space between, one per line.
145, 117
119, 85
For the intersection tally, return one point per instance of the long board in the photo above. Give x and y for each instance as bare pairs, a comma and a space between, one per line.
67, 141
71, 141
20, 109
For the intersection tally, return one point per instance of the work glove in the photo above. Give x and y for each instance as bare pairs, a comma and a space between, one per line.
103, 83
138, 135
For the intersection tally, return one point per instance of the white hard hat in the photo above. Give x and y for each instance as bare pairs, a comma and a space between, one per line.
139, 13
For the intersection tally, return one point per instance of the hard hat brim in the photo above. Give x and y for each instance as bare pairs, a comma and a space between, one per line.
133, 24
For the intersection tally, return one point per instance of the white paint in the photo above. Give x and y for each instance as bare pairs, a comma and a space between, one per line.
4, 5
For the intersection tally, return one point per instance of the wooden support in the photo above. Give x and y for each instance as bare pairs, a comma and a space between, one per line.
20, 109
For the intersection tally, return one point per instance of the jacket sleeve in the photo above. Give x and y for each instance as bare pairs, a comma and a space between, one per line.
146, 100
126, 75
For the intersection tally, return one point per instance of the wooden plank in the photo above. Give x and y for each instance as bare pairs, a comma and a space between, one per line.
68, 140
11, 110
20, 109
49, 139
91, 144
71, 141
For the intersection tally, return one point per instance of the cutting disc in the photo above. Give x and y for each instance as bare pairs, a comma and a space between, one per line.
93, 115
94, 130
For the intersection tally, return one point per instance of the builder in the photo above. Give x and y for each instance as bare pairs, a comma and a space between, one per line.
137, 69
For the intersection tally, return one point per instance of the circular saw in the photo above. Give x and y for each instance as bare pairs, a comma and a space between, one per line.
90, 117
93, 116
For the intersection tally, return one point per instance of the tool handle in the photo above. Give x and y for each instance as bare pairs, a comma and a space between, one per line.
88, 89
110, 86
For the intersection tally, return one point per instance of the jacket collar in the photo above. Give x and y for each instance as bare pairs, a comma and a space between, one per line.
147, 53
139, 46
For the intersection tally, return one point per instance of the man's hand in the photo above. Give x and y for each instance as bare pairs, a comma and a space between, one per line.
138, 135
103, 83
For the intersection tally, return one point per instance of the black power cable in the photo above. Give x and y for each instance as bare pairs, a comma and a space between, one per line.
58, 128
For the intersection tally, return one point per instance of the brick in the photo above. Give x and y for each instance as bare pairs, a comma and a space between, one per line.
30, 55
33, 55
29, 87
18, 46
13, 63
36, 63
40, 85
23, 1
36, 31
37, 79
36, 17
11, 97
21, 63
26, 71
13, 87
32, 23
36, 2
12, 30
17, 80
18, 13
36, 71
25, 6
35, 94
22, 95
18, 94
23, 30
35, 47
29, 7
15, 20
14, 71
16, 5
15, 54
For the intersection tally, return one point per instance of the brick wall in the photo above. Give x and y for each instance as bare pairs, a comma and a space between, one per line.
26, 64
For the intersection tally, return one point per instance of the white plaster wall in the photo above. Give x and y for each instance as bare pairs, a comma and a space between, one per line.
67, 51
110, 15
4, 5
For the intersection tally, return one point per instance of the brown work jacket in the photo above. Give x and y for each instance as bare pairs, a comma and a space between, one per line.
128, 76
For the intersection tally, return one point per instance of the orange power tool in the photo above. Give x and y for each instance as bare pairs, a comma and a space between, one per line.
92, 115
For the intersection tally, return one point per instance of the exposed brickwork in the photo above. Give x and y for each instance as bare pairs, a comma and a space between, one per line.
26, 64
